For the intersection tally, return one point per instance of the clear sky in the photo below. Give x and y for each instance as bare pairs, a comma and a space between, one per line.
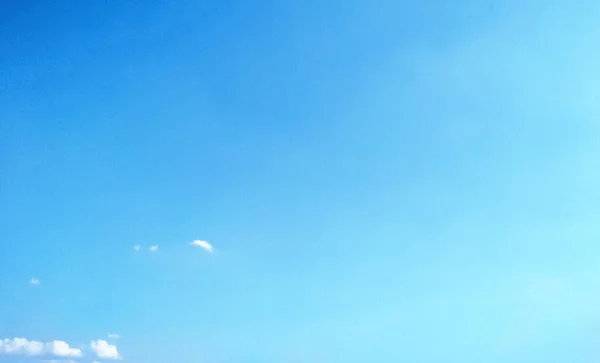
382, 181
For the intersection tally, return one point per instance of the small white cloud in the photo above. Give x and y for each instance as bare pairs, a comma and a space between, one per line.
62, 349
103, 349
114, 336
22, 346
96, 361
154, 248
137, 248
202, 244
34, 281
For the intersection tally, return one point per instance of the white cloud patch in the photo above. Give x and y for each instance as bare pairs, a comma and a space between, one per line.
34, 281
113, 336
202, 244
22, 346
103, 349
137, 248
96, 361
154, 248
62, 349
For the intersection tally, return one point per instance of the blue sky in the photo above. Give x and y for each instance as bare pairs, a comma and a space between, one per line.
382, 181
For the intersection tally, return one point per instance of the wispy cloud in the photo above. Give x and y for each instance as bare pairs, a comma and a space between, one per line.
105, 350
114, 336
22, 346
34, 281
154, 248
203, 244
137, 248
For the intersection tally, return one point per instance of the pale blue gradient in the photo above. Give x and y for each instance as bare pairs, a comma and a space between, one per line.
384, 181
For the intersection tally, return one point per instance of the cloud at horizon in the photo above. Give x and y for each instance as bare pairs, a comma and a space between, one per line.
23, 346
104, 349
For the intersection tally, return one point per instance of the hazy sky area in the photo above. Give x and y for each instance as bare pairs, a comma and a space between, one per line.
300, 181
